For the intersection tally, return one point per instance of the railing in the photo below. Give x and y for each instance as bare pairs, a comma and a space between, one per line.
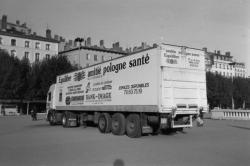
230, 114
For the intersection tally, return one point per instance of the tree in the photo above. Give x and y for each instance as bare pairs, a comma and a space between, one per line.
220, 91
43, 74
12, 76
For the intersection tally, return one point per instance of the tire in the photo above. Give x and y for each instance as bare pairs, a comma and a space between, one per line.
52, 118
118, 124
104, 123
133, 126
65, 120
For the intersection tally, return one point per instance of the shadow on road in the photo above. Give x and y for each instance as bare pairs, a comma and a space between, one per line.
44, 125
172, 132
118, 162
240, 127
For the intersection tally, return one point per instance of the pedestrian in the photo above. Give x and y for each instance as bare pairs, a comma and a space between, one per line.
200, 121
32, 114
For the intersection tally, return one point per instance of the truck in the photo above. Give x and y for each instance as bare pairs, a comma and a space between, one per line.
155, 89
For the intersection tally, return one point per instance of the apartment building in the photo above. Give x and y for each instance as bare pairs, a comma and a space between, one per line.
223, 64
86, 55
22, 44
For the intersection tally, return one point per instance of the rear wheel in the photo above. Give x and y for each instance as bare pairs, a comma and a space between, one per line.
118, 124
52, 118
64, 120
104, 123
133, 126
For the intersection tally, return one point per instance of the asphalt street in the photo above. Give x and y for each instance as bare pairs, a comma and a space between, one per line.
34, 143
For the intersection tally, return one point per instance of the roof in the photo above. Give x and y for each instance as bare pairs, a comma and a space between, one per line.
31, 37
94, 49
213, 53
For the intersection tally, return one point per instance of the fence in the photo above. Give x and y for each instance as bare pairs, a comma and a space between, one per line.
230, 114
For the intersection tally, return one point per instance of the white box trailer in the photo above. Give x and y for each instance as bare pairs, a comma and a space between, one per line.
158, 88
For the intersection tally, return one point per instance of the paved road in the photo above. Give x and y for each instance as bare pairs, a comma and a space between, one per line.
34, 143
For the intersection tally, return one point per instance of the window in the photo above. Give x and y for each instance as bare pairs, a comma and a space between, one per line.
220, 66
26, 55
13, 42
60, 96
47, 56
37, 45
13, 52
37, 57
1, 40
111, 58
49, 96
88, 57
27, 44
102, 58
95, 57
47, 46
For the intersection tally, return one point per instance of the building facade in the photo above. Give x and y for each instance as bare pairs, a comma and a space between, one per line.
18, 41
85, 56
223, 64
32, 47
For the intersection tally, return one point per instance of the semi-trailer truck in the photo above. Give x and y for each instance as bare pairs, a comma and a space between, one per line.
162, 87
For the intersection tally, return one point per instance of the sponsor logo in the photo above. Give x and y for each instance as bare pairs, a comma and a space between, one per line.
78, 76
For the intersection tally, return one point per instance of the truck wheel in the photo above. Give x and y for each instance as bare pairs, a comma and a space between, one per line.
133, 126
52, 118
65, 120
104, 123
118, 124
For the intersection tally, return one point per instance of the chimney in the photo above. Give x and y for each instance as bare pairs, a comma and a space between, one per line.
218, 52
70, 43
88, 44
154, 45
29, 31
204, 49
56, 37
4, 22
24, 25
17, 22
102, 43
34, 33
48, 33
143, 45
117, 45
61, 39
228, 53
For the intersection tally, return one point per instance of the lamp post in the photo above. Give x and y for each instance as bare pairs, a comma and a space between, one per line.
232, 64
80, 40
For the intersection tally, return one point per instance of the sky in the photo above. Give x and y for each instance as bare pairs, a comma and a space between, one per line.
216, 24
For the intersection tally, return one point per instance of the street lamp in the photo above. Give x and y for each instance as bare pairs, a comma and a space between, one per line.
232, 64
80, 40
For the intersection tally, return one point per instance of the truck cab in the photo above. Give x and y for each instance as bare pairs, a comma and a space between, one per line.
50, 102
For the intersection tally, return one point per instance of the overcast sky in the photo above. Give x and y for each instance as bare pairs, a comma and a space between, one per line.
216, 24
